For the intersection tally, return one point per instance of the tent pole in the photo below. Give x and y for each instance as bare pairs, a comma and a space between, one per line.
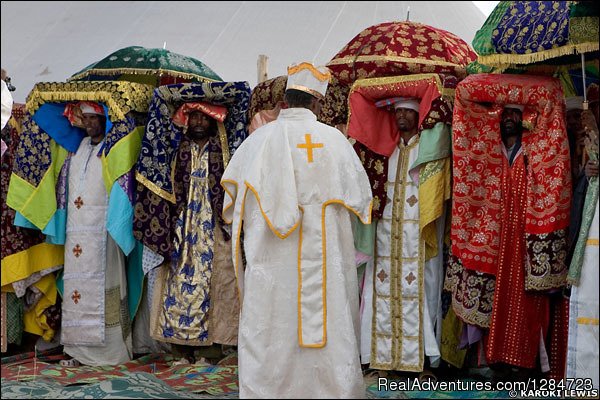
263, 75
585, 102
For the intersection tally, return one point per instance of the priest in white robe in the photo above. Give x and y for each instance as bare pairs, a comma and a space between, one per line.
95, 319
402, 130
292, 187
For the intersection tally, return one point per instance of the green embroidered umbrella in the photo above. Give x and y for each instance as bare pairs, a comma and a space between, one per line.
538, 37
154, 66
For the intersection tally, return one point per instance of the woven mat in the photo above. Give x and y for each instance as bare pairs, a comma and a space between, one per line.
218, 380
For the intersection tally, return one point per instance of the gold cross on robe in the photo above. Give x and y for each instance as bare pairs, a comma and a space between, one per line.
309, 146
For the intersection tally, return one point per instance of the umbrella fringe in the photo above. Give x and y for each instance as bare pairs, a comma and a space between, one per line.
119, 97
35, 101
504, 59
141, 71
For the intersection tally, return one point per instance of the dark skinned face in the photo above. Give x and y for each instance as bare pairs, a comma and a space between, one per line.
406, 119
94, 126
574, 125
199, 125
511, 123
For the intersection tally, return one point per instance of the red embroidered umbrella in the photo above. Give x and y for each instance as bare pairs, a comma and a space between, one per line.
266, 95
401, 48
391, 49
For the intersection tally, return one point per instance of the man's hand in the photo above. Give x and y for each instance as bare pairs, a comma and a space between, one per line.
591, 168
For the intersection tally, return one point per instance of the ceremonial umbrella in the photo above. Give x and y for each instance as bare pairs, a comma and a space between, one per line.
392, 49
154, 66
540, 37
401, 48
266, 95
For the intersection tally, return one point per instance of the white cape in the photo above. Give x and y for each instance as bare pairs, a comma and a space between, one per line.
293, 184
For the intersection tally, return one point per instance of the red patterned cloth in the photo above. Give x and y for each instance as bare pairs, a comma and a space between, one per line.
477, 220
74, 111
182, 114
376, 127
393, 49
73, 114
376, 167
558, 336
519, 318
335, 110
18, 111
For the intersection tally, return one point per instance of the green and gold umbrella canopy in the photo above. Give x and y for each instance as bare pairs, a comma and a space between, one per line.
151, 66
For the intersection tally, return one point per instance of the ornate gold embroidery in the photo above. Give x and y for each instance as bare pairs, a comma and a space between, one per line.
379, 166
121, 97
396, 273
376, 203
545, 265
388, 80
353, 59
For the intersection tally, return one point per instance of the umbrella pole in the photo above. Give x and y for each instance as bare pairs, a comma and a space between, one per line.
585, 102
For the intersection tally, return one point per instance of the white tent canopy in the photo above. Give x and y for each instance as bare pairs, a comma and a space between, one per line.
50, 41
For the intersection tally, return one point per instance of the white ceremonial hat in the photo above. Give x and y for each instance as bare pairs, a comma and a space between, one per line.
517, 106
574, 103
308, 78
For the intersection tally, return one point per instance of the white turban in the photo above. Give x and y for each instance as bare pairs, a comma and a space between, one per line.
411, 104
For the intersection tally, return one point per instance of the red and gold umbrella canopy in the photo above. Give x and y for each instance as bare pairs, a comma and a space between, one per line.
392, 49
266, 95
401, 48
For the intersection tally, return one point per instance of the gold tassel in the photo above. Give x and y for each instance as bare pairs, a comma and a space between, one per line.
396, 79
504, 60
141, 71
119, 97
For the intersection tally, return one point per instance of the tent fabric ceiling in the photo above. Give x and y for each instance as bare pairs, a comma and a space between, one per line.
49, 41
